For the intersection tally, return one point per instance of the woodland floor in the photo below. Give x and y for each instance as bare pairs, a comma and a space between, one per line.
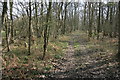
84, 59
81, 59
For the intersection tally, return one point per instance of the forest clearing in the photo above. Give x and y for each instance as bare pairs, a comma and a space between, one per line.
59, 40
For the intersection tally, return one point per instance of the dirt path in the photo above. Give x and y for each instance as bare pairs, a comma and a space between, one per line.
66, 63
87, 60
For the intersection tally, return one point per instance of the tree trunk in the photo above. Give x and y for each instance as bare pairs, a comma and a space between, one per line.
105, 33
102, 20
111, 21
119, 30
36, 20
98, 27
46, 34
90, 21
11, 23
4, 23
41, 21
65, 16
85, 14
29, 42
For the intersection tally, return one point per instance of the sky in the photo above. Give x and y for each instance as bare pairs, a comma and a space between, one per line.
15, 12
65, 0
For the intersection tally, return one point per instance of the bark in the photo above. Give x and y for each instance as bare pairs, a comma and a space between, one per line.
75, 17
41, 23
85, 14
102, 20
98, 27
59, 9
11, 25
106, 21
65, 16
4, 23
36, 20
46, 35
4, 12
111, 21
29, 42
119, 30
90, 21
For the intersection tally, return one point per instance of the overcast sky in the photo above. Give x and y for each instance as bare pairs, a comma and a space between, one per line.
15, 12
65, 0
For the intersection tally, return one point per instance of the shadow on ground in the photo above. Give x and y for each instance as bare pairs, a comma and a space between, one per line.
89, 62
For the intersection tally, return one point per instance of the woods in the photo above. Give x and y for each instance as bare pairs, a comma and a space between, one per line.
42, 35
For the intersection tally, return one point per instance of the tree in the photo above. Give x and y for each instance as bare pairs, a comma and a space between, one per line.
4, 23
41, 20
90, 20
46, 34
98, 27
84, 23
75, 16
105, 32
58, 10
29, 42
36, 19
119, 30
11, 18
65, 17
111, 20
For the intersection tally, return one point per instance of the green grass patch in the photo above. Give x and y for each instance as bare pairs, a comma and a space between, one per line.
3, 33
58, 56
48, 67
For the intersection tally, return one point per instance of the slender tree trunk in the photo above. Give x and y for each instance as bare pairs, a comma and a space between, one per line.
75, 11
36, 20
90, 22
115, 29
85, 14
11, 24
46, 33
98, 27
102, 20
56, 32
41, 20
111, 21
65, 16
105, 33
29, 43
119, 30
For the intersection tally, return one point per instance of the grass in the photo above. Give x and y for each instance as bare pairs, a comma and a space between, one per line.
55, 51
18, 57
3, 33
